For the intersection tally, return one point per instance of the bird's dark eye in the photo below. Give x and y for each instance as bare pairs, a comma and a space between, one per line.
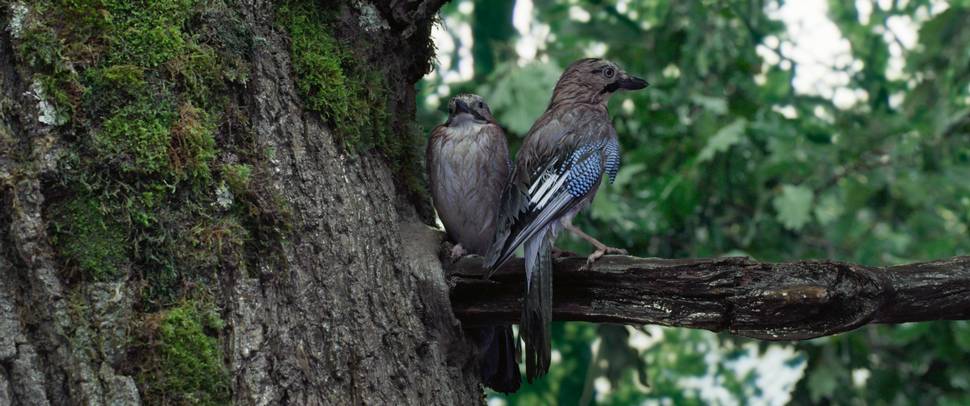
609, 72
481, 105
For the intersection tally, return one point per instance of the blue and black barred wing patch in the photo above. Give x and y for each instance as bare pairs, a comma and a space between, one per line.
612, 152
555, 189
583, 169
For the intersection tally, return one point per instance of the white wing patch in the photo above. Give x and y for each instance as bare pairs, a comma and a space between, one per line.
547, 186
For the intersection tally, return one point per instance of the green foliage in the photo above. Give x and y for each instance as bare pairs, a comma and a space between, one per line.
723, 139
794, 206
185, 362
149, 137
90, 239
724, 155
520, 95
201, 74
129, 79
40, 47
573, 355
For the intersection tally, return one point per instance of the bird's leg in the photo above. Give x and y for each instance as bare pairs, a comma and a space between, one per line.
457, 252
601, 249
596, 243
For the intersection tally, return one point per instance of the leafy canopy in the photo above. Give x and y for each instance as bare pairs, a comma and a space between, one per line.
727, 153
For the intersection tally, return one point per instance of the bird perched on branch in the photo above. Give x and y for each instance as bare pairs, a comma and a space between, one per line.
468, 168
556, 174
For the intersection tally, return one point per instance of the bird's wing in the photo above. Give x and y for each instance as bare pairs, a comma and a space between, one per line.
548, 180
494, 168
612, 160
435, 142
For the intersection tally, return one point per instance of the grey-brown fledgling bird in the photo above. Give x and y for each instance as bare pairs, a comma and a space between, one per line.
468, 168
556, 174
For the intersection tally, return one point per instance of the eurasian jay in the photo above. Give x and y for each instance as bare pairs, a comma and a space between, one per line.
556, 174
468, 168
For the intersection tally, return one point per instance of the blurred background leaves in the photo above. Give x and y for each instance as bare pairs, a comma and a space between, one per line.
779, 130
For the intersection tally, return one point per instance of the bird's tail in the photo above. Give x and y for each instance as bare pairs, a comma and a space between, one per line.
499, 369
537, 311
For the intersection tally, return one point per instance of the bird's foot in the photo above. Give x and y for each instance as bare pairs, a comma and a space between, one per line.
457, 252
600, 251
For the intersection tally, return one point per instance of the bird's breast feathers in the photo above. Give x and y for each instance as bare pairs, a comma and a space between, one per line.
469, 166
466, 129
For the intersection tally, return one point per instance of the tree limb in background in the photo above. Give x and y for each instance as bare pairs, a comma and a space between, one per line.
770, 301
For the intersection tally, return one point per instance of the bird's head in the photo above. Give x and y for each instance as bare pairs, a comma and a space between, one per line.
468, 108
593, 80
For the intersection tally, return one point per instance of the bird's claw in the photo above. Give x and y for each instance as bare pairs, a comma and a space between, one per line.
599, 254
592, 258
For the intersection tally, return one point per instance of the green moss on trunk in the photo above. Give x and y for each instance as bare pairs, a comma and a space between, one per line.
182, 361
156, 181
90, 239
345, 91
350, 93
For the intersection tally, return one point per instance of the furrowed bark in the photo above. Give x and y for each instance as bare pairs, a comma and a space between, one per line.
769, 301
349, 307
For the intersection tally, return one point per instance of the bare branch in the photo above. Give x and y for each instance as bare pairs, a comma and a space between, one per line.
770, 301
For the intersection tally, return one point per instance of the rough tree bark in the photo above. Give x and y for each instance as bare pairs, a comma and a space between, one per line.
769, 301
357, 310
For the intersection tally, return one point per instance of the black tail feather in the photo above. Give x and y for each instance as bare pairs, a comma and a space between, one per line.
500, 371
537, 313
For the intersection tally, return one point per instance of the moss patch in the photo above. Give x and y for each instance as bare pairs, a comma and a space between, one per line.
317, 61
91, 240
332, 81
145, 33
136, 137
144, 93
238, 177
351, 94
147, 100
183, 363
192, 146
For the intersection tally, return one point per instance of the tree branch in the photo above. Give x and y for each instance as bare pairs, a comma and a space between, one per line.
769, 301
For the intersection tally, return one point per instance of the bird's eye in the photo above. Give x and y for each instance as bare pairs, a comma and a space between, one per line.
609, 72
481, 105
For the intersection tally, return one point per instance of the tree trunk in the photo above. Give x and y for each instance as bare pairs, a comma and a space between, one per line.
335, 295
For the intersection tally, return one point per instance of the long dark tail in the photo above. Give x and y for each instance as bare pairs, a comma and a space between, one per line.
537, 312
499, 369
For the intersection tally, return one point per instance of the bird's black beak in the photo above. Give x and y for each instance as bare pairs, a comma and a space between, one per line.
627, 82
461, 107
